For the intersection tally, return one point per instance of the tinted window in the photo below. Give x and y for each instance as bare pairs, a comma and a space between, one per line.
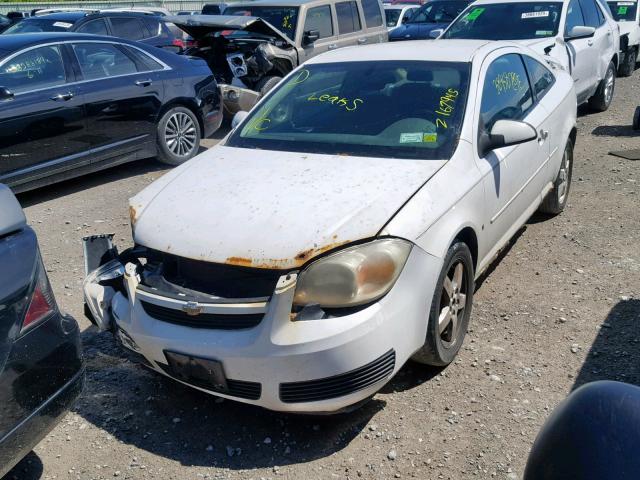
129, 28
506, 94
590, 12
438, 12
35, 69
574, 16
102, 60
284, 19
319, 18
508, 21
153, 26
623, 11
372, 13
392, 15
32, 25
393, 109
95, 27
541, 78
146, 62
348, 17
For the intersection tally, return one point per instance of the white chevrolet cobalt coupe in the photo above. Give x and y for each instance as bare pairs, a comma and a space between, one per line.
338, 230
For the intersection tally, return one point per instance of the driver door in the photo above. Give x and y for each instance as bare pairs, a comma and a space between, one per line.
512, 176
319, 19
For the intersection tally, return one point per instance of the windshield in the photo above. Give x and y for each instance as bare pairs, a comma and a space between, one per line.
392, 15
438, 12
39, 25
392, 109
623, 11
284, 19
508, 21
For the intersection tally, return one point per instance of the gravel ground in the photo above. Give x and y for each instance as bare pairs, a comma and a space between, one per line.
559, 307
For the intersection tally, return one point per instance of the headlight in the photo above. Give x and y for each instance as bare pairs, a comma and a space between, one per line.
353, 276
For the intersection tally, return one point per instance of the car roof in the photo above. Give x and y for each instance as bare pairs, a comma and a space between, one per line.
399, 7
484, 2
420, 50
62, 16
12, 43
274, 3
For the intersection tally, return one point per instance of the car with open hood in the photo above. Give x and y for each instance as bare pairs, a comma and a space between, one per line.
579, 34
338, 230
434, 15
252, 46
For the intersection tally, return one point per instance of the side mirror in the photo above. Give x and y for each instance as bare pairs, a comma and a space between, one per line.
310, 36
580, 32
436, 33
506, 133
238, 118
5, 93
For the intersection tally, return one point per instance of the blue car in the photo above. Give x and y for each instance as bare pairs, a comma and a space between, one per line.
434, 15
41, 366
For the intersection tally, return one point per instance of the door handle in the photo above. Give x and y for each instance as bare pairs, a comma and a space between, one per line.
62, 97
590, 42
362, 41
144, 83
333, 46
544, 134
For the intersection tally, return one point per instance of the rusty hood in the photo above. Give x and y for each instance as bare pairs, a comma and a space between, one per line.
269, 209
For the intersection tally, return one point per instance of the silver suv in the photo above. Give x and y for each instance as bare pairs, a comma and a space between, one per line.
252, 46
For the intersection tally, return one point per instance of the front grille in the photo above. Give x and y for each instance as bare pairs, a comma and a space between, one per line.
235, 388
339, 385
214, 321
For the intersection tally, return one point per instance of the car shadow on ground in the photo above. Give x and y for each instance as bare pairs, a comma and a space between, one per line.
615, 353
140, 407
29, 468
615, 131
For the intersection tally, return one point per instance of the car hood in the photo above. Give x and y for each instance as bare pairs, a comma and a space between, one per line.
270, 209
415, 31
197, 26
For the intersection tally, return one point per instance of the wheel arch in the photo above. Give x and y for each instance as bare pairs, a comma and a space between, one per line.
615, 60
469, 237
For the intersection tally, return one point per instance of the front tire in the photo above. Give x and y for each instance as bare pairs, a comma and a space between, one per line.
450, 308
556, 199
629, 64
266, 84
178, 136
601, 100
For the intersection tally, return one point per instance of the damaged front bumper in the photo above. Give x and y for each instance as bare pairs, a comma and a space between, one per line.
255, 350
236, 98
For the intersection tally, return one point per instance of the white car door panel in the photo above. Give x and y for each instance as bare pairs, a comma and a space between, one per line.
584, 58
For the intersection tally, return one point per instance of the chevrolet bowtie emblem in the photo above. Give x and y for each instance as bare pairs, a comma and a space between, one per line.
192, 308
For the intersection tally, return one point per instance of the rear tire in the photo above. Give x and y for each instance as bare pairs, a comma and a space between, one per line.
557, 198
266, 84
629, 64
601, 100
178, 136
636, 119
450, 308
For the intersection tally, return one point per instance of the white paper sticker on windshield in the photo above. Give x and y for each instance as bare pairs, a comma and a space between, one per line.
411, 137
626, 4
535, 14
62, 24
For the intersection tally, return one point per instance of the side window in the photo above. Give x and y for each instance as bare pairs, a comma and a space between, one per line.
348, 17
541, 78
574, 16
154, 26
129, 28
319, 18
102, 60
506, 94
590, 12
94, 27
145, 61
372, 13
32, 70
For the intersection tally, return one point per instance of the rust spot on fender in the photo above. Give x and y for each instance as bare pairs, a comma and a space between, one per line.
281, 263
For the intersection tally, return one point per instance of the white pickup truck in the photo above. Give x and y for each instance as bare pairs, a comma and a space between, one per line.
626, 13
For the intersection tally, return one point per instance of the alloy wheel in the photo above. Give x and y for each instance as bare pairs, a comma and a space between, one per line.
564, 177
180, 134
608, 86
452, 304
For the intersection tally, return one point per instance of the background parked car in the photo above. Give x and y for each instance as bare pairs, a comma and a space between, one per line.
145, 28
436, 14
627, 14
73, 103
580, 34
265, 39
15, 17
396, 15
41, 367
213, 8
5, 22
